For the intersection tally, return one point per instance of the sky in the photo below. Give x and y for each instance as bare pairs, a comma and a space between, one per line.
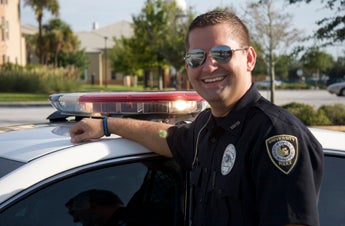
81, 14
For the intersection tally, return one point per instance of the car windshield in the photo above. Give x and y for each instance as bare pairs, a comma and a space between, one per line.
7, 166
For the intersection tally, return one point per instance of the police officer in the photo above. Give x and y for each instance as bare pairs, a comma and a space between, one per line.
251, 162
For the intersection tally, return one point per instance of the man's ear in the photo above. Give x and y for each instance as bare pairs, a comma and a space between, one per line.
251, 58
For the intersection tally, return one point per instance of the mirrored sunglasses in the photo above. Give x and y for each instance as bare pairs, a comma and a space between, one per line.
197, 57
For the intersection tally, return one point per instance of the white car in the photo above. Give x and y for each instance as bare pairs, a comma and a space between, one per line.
337, 88
47, 180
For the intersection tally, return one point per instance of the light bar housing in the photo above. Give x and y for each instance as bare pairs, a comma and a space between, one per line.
128, 103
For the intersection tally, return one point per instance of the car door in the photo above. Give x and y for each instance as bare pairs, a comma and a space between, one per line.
332, 196
138, 190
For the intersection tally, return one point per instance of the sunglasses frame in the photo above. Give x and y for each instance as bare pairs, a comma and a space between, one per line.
221, 53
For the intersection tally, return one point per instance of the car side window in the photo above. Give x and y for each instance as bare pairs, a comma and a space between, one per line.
332, 196
149, 192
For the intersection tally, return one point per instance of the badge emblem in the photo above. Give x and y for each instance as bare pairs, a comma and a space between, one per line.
228, 160
283, 151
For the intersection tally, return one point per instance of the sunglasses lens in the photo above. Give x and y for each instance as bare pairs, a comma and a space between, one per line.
222, 54
195, 58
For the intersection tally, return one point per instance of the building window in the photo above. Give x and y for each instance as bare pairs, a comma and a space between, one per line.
2, 28
113, 76
7, 30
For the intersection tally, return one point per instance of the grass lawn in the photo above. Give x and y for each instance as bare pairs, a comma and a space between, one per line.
22, 97
13, 97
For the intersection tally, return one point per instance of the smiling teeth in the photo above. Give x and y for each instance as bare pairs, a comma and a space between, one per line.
213, 79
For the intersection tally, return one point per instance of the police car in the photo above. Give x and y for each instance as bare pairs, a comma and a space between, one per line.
47, 180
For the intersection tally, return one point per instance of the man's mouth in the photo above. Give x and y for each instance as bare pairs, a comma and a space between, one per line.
213, 80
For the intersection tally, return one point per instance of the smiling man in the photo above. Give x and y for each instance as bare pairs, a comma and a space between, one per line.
251, 162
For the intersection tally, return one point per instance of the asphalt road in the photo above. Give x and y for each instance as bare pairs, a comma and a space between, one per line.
14, 114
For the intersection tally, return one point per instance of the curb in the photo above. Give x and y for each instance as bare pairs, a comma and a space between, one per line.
26, 104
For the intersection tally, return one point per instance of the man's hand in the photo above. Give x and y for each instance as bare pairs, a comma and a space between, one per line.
86, 129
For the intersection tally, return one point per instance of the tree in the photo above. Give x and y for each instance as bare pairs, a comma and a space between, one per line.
123, 56
158, 40
175, 32
78, 59
39, 6
272, 30
148, 32
58, 37
260, 69
331, 29
316, 62
173, 40
31, 47
337, 72
282, 66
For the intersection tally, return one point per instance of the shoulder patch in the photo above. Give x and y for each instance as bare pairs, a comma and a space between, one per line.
283, 151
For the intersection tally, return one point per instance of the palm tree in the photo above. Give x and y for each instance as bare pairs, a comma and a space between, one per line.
58, 36
39, 6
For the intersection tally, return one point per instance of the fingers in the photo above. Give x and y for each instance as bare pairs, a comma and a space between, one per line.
86, 129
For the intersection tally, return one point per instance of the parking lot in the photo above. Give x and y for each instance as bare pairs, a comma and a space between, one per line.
315, 98
14, 114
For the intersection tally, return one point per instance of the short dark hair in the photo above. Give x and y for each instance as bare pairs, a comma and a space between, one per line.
238, 28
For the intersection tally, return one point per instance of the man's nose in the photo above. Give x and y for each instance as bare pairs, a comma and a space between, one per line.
210, 63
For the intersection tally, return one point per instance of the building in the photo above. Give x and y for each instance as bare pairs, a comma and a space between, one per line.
27, 31
97, 43
12, 43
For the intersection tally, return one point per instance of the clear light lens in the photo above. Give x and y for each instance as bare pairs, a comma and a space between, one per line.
66, 102
184, 106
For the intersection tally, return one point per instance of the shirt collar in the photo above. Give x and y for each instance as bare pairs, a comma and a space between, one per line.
235, 119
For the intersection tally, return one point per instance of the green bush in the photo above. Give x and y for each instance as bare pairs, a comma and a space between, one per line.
294, 86
38, 79
307, 114
336, 113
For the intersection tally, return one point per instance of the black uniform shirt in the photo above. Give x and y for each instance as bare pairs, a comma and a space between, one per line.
259, 165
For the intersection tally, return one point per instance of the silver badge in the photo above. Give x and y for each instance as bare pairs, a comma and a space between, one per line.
228, 160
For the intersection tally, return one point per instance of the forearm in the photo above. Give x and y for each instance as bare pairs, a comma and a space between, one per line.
150, 134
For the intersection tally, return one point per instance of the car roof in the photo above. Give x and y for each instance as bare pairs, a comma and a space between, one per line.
330, 139
46, 150
27, 142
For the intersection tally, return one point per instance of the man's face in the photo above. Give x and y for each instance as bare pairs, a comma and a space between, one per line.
222, 85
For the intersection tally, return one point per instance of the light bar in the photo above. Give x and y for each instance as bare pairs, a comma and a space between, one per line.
128, 103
